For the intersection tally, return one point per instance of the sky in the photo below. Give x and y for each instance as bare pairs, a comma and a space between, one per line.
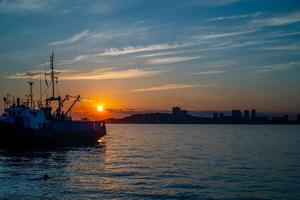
150, 55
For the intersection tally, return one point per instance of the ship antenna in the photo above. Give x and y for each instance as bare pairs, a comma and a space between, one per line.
40, 103
31, 95
52, 74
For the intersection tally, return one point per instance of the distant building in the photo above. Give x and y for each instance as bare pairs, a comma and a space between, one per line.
253, 114
178, 111
246, 114
298, 117
221, 116
236, 114
262, 119
284, 118
179, 115
215, 116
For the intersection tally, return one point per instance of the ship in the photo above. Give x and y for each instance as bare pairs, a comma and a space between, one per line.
46, 123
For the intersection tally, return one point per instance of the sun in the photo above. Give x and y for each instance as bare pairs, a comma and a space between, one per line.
100, 108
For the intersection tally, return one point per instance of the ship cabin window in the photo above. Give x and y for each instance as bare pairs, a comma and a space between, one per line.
34, 114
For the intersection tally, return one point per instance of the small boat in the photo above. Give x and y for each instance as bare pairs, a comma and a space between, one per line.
47, 125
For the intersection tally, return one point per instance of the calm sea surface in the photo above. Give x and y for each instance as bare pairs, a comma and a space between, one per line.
163, 162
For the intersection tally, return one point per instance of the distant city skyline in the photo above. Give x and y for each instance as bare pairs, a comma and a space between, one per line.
178, 115
139, 55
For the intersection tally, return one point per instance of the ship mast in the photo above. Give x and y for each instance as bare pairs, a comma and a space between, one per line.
52, 74
31, 95
58, 112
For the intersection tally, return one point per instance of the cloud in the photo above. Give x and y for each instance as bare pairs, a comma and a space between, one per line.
172, 60
72, 39
277, 67
26, 75
120, 74
279, 20
130, 49
123, 51
209, 72
92, 74
214, 2
159, 54
291, 47
228, 34
171, 86
23, 5
94, 36
285, 34
234, 17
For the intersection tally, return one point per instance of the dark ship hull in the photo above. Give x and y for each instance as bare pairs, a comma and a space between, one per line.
14, 137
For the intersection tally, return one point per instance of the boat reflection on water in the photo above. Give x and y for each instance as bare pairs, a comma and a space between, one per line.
47, 174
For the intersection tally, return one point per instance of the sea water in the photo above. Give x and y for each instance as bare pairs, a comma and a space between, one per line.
163, 162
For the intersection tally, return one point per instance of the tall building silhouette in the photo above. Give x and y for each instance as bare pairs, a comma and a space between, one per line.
221, 116
253, 114
179, 115
246, 114
215, 116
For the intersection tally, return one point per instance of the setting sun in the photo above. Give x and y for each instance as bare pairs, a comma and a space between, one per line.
100, 108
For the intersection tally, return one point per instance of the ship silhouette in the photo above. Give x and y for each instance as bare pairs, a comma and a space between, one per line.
25, 125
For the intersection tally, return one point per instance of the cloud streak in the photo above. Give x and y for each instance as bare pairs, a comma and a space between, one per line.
171, 86
73, 39
277, 67
234, 17
172, 60
130, 49
125, 51
23, 5
228, 34
279, 20
209, 72
92, 74
214, 2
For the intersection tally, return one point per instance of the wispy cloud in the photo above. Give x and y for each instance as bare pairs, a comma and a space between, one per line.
214, 2
26, 75
159, 54
130, 49
172, 86
228, 34
93, 36
291, 47
92, 74
234, 17
279, 20
23, 5
72, 39
209, 72
286, 34
172, 60
125, 51
121, 74
277, 67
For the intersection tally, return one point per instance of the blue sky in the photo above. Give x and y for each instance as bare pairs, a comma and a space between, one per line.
201, 55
